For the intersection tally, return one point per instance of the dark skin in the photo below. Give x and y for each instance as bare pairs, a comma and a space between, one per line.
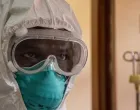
31, 52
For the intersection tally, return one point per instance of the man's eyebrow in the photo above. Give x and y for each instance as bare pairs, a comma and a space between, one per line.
28, 47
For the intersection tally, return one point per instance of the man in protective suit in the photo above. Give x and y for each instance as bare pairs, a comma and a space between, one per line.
41, 53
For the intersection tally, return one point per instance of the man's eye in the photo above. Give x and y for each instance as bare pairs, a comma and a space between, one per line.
29, 55
63, 56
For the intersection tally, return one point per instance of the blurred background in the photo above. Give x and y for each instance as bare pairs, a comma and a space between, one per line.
127, 37
80, 98
110, 27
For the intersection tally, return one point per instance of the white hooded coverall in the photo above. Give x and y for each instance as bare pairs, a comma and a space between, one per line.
18, 14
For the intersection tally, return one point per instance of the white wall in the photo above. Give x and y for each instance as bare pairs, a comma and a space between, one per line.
127, 38
80, 97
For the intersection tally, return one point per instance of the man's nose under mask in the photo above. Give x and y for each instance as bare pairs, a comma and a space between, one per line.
43, 90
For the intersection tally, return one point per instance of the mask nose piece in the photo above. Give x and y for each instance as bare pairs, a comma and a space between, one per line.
52, 59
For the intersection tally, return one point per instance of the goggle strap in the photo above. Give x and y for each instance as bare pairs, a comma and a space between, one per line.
11, 67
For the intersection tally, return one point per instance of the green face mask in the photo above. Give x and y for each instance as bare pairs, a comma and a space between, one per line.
43, 90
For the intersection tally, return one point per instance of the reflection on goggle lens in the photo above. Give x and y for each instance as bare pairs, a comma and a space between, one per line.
32, 51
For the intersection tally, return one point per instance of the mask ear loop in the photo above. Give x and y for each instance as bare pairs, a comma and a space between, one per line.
70, 85
67, 80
